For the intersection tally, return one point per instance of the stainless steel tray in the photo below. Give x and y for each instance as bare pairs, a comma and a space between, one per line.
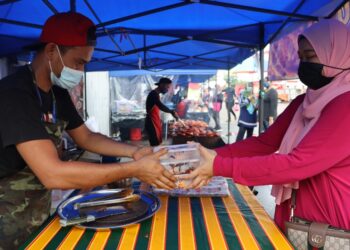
139, 210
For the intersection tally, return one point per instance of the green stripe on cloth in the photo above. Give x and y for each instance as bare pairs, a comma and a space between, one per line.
114, 239
57, 239
85, 239
144, 233
229, 232
172, 234
200, 230
37, 232
254, 225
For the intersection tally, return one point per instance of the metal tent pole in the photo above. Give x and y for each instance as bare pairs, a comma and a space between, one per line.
228, 112
261, 57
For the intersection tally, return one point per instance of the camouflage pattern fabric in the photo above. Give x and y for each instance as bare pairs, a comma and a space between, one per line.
24, 206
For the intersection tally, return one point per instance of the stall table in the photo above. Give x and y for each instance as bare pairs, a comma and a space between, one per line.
237, 221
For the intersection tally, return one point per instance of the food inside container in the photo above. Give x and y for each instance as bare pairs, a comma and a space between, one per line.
180, 160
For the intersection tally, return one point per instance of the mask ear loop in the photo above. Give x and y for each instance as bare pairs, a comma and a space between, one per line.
342, 70
59, 53
50, 66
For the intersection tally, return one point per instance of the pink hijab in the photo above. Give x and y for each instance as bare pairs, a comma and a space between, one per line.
331, 41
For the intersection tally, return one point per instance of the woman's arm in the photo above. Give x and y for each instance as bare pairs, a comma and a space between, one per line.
326, 144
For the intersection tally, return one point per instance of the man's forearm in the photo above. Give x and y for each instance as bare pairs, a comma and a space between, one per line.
68, 175
101, 144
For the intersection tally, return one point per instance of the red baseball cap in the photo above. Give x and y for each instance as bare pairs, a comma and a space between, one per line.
69, 29
66, 29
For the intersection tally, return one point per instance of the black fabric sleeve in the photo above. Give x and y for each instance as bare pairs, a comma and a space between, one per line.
160, 105
68, 112
21, 118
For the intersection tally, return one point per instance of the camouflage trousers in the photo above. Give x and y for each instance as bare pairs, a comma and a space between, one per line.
24, 206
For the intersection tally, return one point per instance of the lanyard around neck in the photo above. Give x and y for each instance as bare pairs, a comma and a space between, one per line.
43, 116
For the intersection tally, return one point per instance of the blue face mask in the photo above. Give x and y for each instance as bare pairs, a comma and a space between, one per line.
69, 77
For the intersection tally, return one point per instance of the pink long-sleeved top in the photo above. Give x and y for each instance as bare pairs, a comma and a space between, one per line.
320, 162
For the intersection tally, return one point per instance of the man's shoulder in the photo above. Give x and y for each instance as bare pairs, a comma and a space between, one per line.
16, 81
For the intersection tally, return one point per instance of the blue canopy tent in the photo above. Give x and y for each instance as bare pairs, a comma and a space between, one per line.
158, 35
171, 34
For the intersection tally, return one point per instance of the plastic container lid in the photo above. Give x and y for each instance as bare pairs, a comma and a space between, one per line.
179, 153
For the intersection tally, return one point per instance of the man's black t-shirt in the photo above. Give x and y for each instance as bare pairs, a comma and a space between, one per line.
21, 116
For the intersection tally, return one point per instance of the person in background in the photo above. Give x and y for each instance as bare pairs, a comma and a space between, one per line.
217, 106
36, 108
182, 107
153, 123
270, 101
208, 102
247, 120
230, 101
177, 95
306, 150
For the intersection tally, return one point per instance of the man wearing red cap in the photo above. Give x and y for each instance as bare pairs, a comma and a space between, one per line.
35, 107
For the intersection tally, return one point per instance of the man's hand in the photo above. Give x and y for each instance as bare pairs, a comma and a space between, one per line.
175, 115
141, 152
150, 170
202, 174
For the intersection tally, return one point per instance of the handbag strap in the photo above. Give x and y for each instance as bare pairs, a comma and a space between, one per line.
293, 205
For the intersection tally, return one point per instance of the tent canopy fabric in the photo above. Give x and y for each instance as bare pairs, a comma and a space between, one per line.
171, 34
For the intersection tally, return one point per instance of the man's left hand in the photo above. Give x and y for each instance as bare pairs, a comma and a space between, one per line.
141, 152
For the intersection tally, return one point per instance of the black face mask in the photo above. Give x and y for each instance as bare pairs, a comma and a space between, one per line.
311, 75
163, 91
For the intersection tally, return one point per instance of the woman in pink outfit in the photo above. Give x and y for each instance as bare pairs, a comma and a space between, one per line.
308, 147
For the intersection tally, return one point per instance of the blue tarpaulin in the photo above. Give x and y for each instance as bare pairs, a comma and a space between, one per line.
166, 34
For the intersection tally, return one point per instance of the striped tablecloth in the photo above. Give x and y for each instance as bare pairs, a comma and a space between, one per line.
234, 222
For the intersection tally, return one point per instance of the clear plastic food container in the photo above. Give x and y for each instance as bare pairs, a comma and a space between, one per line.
181, 152
180, 160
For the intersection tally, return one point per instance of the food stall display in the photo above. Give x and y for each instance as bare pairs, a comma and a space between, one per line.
197, 131
191, 128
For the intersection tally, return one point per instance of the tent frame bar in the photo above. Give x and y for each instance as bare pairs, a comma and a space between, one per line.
50, 6
120, 51
144, 13
256, 9
285, 22
20, 23
4, 2
338, 8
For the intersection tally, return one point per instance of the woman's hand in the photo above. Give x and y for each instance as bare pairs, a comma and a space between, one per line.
149, 170
202, 174
141, 152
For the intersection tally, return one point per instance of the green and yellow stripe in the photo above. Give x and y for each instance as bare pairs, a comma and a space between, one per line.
214, 230
159, 226
186, 232
271, 230
234, 222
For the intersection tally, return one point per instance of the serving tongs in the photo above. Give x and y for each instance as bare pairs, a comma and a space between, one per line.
182, 123
129, 198
93, 215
